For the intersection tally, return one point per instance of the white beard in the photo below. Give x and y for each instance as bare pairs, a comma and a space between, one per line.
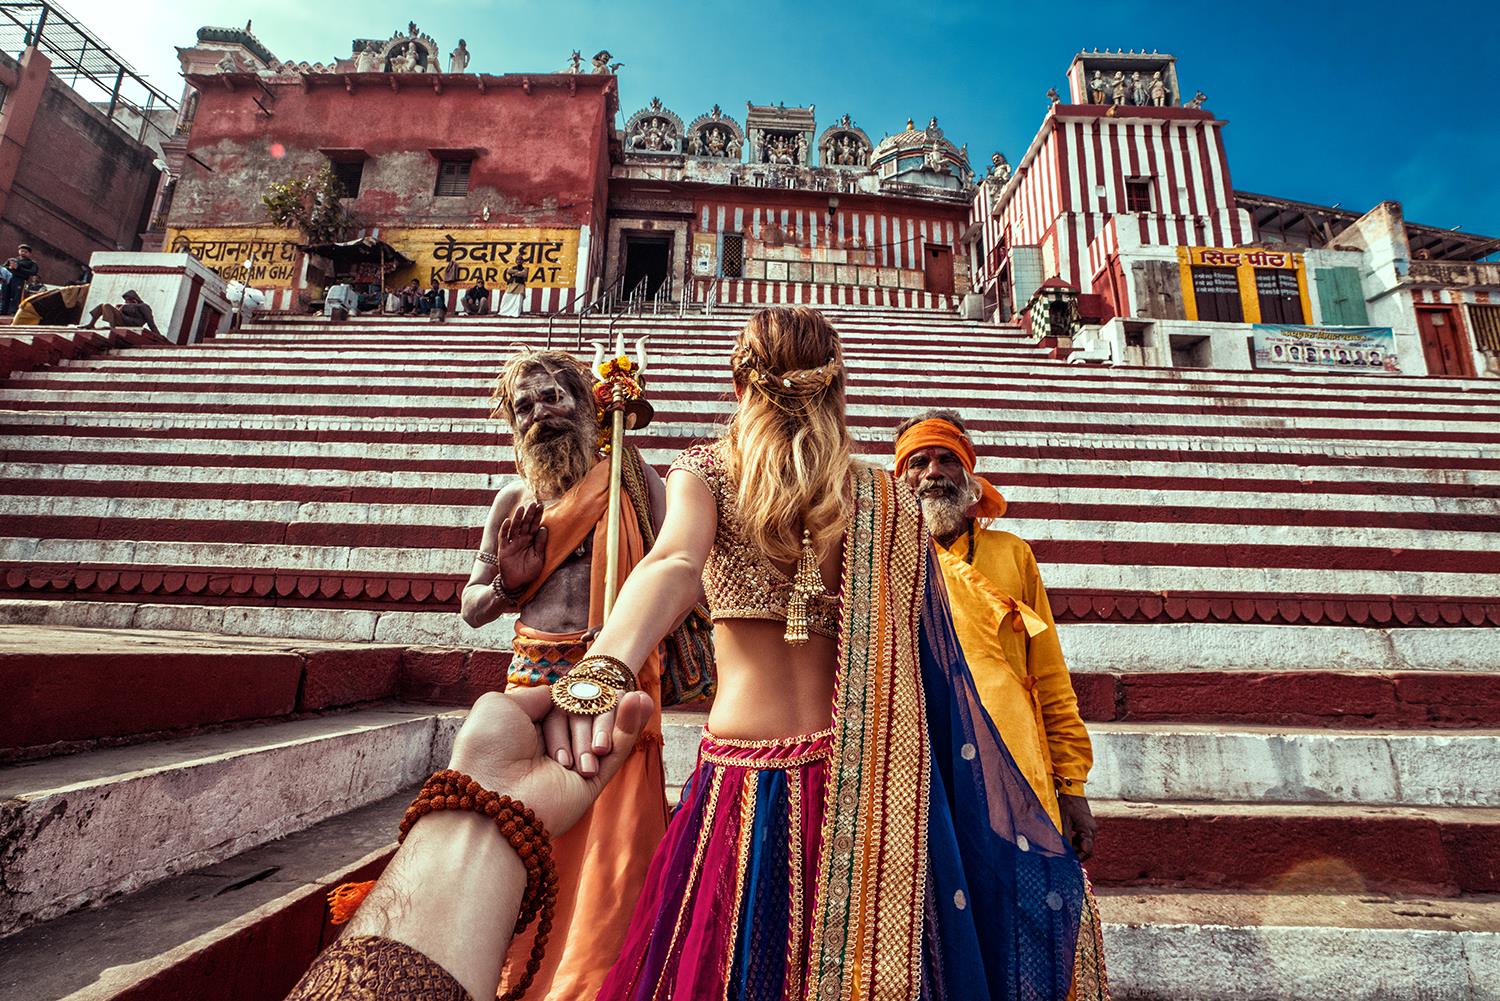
946, 516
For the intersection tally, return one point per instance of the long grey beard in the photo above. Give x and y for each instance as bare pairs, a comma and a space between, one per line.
946, 516
552, 466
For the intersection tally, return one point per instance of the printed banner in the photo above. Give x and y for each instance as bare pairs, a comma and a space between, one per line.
1235, 257
705, 255
272, 252
550, 256
1344, 349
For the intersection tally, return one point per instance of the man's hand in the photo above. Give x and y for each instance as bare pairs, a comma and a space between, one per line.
501, 747
1078, 824
522, 547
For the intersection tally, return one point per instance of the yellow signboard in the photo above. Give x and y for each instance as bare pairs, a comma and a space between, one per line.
1236, 257
1250, 273
271, 251
550, 256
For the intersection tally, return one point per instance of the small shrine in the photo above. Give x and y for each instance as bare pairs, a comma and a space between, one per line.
780, 136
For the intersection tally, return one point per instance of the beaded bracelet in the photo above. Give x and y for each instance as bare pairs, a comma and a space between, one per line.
453, 790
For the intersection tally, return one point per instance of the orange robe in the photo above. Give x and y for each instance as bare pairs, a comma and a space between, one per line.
602, 861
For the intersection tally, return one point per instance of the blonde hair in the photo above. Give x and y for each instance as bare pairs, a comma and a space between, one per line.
789, 451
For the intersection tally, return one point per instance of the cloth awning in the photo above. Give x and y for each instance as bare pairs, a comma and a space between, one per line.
365, 250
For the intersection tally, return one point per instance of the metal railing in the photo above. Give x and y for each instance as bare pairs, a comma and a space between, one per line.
662, 300
94, 70
603, 303
565, 307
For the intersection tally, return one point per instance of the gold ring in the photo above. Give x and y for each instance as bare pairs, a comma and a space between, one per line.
584, 696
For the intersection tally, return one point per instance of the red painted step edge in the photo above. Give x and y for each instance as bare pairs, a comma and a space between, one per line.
426, 592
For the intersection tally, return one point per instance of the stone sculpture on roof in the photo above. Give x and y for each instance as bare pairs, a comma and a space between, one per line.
653, 129
411, 52
844, 144
1158, 90
458, 59
716, 135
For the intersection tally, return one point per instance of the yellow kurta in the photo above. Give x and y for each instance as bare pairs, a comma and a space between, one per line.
1022, 679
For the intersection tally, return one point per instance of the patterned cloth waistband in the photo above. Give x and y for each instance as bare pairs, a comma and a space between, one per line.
541, 662
778, 752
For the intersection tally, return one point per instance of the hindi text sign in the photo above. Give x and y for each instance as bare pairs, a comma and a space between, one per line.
272, 253
550, 256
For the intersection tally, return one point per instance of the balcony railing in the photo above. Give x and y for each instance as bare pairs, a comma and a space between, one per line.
1456, 274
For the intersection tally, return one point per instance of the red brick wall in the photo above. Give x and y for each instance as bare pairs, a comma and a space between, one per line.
80, 184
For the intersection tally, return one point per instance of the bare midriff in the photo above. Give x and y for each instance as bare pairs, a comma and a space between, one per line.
767, 688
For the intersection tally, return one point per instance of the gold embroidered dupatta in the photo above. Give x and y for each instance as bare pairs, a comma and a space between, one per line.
867, 932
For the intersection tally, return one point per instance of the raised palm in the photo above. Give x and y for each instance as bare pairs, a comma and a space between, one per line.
522, 547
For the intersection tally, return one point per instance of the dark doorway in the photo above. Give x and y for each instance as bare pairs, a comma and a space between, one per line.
648, 256
1443, 342
938, 274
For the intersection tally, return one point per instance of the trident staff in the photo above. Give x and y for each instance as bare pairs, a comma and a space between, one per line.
620, 395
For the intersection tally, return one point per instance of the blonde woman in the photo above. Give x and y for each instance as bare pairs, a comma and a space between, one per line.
854, 826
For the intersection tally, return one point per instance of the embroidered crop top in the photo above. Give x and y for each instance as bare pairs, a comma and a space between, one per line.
739, 582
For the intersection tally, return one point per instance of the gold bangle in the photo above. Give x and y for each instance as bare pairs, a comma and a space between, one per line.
610, 670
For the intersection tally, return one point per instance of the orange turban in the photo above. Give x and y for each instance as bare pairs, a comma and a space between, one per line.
941, 434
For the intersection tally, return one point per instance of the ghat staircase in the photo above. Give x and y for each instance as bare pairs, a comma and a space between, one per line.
229, 647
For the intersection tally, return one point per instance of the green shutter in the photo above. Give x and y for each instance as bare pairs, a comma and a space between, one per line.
1341, 297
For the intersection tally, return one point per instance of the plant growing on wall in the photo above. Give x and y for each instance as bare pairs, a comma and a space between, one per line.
310, 204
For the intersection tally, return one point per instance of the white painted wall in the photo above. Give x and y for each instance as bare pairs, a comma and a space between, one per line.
164, 282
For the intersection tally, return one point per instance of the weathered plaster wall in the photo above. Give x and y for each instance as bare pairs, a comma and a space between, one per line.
539, 157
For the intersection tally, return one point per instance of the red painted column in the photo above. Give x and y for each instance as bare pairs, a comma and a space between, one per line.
20, 112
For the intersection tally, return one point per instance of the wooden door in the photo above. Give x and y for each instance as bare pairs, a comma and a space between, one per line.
1443, 341
938, 274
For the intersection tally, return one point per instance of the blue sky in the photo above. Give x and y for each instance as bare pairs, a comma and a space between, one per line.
1327, 102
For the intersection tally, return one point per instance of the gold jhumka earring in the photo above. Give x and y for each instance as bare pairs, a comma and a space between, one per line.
805, 585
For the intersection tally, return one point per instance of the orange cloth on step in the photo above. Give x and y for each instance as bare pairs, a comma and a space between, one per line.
940, 434
602, 861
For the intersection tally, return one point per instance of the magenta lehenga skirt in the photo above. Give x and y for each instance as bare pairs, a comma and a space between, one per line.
727, 908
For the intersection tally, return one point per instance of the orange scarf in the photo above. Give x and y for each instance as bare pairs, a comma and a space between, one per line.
941, 434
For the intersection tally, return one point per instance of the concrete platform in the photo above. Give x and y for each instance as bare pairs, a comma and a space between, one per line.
79, 829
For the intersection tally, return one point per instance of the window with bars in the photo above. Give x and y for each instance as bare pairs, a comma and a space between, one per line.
732, 255
1138, 194
349, 173
1485, 322
453, 178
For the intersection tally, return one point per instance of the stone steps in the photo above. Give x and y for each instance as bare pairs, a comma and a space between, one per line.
255, 920
1210, 763
1166, 646
74, 689
24, 348
83, 828
1186, 946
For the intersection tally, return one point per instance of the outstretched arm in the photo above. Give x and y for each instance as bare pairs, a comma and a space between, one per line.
656, 595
